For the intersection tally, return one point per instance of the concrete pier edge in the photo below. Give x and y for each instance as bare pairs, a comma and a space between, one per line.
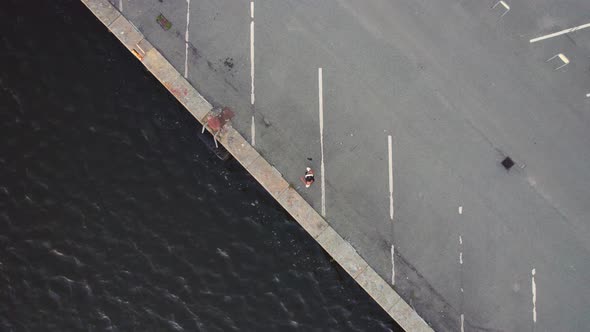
264, 173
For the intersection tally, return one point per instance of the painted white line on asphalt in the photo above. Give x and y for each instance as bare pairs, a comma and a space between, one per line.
121, 6
389, 145
460, 250
252, 62
188, 16
321, 110
253, 132
460, 210
558, 33
253, 128
534, 287
461, 276
392, 264
587, 95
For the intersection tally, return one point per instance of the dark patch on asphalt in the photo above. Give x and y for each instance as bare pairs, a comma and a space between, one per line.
210, 65
194, 50
229, 63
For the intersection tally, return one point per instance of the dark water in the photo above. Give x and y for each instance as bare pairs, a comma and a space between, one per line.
114, 216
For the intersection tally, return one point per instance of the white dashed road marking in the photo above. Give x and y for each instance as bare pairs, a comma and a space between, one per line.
121, 6
534, 288
188, 16
252, 62
392, 264
253, 130
460, 250
321, 110
460, 210
461, 276
389, 145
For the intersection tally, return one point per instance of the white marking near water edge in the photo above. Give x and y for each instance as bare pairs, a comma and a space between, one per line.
534, 288
390, 153
188, 16
555, 34
392, 264
253, 130
321, 110
462, 323
252, 62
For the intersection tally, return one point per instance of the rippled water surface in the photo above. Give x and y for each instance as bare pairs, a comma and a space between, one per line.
114, 216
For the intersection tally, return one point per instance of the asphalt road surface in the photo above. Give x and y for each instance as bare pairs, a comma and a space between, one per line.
458, 87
